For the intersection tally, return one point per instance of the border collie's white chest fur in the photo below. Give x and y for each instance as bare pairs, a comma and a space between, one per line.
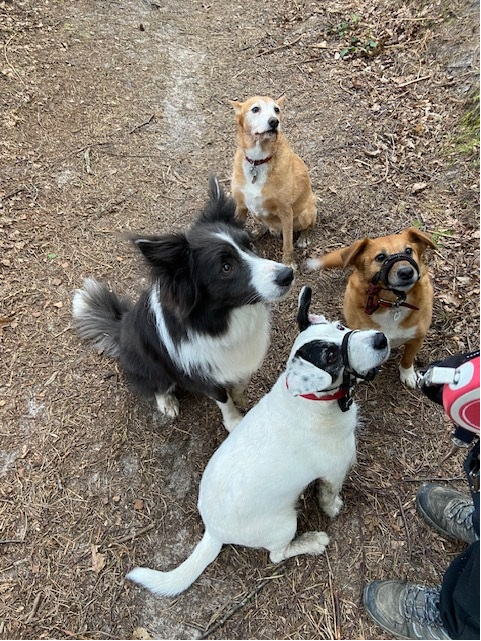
228, 358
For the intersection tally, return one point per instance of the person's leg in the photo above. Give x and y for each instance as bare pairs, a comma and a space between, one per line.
459, 596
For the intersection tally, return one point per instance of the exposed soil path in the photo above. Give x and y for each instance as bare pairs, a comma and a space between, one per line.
114, 114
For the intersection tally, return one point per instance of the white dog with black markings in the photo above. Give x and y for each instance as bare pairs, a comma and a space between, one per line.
302, 430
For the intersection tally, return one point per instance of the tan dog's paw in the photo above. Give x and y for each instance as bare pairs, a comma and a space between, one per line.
303, 241
408, 376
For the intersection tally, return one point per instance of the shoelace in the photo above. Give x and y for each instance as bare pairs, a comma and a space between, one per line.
422, 604
462, 512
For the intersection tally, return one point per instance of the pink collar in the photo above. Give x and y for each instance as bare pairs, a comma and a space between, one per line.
327, 397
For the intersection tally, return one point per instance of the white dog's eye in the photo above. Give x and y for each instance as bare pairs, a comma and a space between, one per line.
340, 327
331, 356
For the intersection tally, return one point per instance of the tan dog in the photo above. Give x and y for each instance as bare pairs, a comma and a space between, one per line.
389, 290
269, 180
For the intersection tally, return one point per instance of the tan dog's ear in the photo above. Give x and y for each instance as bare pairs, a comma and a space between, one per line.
345, 256
422, 238
237, 106
281, 100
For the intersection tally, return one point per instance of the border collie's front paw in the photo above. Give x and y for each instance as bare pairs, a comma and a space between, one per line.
408, 376
168, 405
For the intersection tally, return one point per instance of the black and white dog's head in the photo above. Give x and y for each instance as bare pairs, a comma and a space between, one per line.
323, 351
213, 264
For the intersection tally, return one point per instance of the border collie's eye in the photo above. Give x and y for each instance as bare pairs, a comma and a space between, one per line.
277, 110
380, 258
340, 327
255, 110
408, 251
226, 268
331, 356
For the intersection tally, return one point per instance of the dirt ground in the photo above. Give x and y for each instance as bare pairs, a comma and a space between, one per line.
113, 116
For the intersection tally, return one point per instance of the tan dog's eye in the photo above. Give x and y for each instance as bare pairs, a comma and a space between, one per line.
255, 110
408, 251
277, 110
381, 258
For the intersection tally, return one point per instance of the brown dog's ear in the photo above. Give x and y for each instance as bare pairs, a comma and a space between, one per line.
345, 256
237, 106
422, 238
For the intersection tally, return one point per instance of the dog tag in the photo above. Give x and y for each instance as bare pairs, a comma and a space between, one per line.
397, 314
253, 171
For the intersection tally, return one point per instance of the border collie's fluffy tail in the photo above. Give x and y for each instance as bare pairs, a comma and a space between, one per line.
178, 580
97, 313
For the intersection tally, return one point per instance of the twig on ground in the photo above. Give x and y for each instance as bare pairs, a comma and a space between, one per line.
134, 535
287, 45
243, 602
142, 124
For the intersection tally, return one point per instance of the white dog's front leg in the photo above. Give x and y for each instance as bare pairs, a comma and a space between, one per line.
329, 499
308, 543
230, 414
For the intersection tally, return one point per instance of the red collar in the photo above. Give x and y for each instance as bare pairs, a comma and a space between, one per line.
373, 302
254, 163
327, 397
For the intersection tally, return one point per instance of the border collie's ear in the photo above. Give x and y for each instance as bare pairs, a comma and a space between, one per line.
220, 208
304, 302
170, 260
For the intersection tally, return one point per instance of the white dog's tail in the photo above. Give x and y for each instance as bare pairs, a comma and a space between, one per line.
178, 580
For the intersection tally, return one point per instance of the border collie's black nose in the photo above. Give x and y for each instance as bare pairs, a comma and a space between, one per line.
380, 341
273, 122
285, 276
405, 273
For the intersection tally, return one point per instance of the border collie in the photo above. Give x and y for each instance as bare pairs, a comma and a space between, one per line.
204, 322
302, 430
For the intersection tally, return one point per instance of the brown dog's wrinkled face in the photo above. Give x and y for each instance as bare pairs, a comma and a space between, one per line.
369, 255
259, 117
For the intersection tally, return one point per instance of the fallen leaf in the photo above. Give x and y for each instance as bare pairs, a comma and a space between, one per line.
141, 633
417, 187
98, 559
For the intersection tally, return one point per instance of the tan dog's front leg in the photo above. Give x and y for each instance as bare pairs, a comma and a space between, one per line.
286, 216
406, 368
241, 211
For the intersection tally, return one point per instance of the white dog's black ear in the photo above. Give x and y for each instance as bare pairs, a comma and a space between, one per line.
304, 302
305, 378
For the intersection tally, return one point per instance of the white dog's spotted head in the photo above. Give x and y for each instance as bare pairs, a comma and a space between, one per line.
324, 351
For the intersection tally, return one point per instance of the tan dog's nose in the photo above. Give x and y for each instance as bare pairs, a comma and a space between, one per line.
273, 122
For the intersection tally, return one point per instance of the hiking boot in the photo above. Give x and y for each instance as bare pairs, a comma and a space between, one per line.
447, 511
405, 610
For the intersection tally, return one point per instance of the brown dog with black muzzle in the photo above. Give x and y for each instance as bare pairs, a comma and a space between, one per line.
269, 180
389, 289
